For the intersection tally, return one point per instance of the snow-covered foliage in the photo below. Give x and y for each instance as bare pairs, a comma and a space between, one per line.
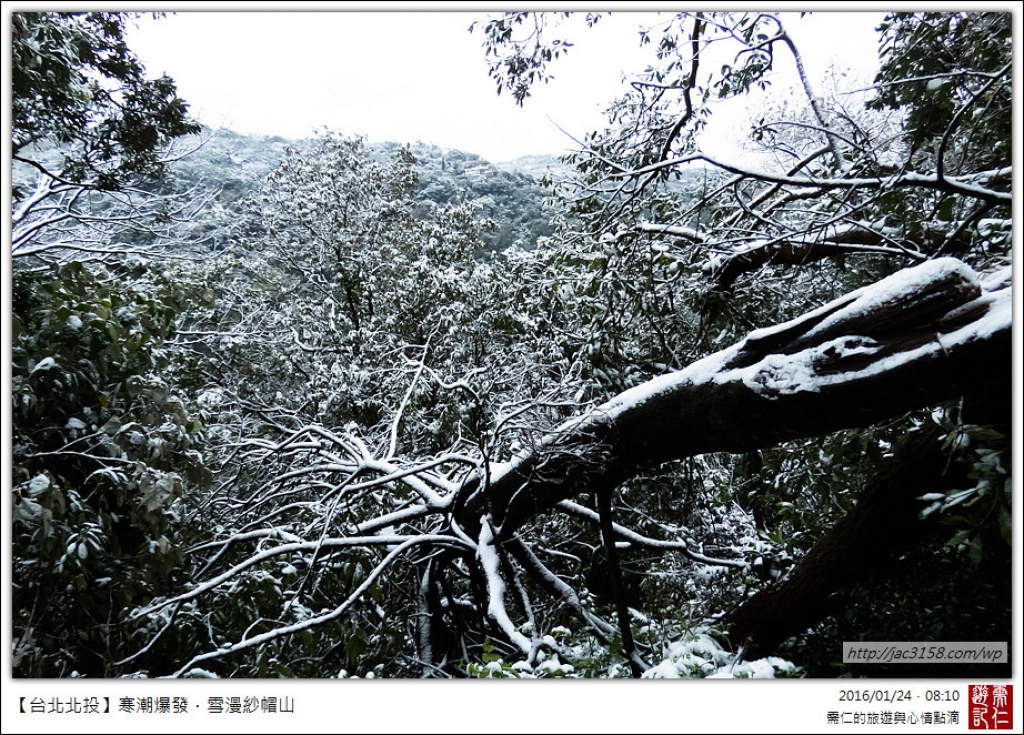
350, 440
698, 655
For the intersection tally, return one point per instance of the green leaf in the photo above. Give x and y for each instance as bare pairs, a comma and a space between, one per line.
945, 213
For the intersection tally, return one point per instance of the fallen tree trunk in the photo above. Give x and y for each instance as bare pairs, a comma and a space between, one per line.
925, 335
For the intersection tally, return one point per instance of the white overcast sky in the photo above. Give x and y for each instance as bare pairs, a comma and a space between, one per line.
421, 76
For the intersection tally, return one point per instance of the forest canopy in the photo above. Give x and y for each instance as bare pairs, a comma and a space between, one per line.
326, 408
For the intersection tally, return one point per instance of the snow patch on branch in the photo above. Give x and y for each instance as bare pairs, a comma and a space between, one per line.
488, 555
786, 374
900, 287
777, 375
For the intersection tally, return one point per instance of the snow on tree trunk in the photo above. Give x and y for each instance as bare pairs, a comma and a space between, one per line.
919, 337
